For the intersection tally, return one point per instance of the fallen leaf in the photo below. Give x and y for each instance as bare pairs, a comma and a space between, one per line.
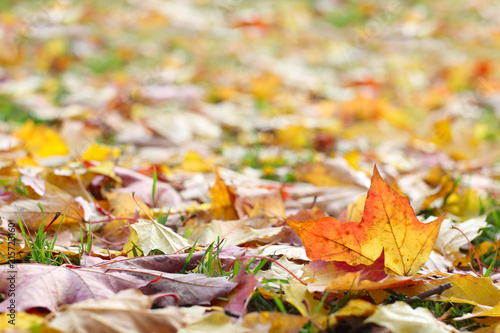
333, 172
149, 235
246, 284
41, 141
24, 322
482, 292
44, 286
33, 181
400, 317
274, 322
214, 322
127, 311
268, 203
99, 152
450, 240
389, 224
337, 276
106, 169
54, 200
235, 232
134, 182
11, 251
297, 294
223, 198
355, 311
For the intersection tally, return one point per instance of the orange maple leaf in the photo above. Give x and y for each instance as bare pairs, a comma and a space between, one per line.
389, 224
223, 197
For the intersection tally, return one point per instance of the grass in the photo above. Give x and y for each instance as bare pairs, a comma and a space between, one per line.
41, 248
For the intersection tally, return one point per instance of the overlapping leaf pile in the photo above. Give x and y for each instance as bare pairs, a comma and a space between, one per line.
200, 166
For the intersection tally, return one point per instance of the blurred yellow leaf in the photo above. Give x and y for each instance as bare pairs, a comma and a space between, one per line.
23, 321
296, 136
41, 141
442, 132
464, 204
265, 85
193, 162
98, 152
279, 322
106, 169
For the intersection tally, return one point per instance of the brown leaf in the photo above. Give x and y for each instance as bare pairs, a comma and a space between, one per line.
54, 200
127, 311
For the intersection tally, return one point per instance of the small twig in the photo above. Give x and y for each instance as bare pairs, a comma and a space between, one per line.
314, 202
433, 291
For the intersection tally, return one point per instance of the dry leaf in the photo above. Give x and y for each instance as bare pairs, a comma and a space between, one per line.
389, 224
223, 198
149, 235
127, 311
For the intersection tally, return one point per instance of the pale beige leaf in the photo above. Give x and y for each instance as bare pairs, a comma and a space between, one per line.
154, 236
400, 317
128, 311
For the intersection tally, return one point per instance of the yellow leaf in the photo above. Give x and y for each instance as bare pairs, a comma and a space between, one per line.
98, 152
41, 141
296, 293
193, 162
294, 136
355, 209
442, 132
280, 322
223, 197
11, 251
265, 86
23, 321
106, 169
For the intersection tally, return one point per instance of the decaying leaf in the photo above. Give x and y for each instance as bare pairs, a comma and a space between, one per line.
389, 224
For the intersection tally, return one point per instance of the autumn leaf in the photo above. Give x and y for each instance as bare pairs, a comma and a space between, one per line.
389, 224
53, 200
223, 198
43, 285
151, 235
129, 310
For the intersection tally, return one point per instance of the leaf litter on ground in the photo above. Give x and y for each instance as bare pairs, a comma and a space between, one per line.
173, 145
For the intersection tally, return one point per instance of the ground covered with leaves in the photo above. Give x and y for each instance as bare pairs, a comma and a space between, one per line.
249, 166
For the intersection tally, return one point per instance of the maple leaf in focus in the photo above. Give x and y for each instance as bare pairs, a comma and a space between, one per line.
389, 224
